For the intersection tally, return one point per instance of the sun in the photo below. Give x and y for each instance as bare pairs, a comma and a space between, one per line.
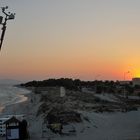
136, 74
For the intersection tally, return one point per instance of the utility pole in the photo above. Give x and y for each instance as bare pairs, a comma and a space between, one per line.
96, 84
8, 16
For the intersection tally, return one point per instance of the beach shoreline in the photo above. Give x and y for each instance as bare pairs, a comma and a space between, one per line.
13, 95
14, 108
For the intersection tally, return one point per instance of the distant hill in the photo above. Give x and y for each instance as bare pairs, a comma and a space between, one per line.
9, 82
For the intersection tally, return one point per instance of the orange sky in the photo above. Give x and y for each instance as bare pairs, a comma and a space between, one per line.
77, 39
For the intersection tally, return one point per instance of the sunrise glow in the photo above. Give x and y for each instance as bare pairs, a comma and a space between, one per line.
78, 39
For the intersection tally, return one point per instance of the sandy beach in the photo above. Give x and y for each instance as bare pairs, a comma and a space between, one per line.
101, 126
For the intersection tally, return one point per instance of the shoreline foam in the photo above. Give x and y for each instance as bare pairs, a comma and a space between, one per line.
19, 98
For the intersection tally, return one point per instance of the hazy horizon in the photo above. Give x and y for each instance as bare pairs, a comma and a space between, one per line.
76, 39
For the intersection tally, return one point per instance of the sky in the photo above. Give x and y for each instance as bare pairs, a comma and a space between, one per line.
85, 39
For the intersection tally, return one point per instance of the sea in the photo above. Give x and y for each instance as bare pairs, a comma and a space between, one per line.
11, 94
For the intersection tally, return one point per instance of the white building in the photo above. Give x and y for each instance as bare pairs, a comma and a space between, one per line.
136, 81
3, 126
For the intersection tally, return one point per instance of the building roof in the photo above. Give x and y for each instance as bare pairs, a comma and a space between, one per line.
12, 120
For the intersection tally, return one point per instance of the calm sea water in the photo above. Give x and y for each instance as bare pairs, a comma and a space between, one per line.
10, 94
